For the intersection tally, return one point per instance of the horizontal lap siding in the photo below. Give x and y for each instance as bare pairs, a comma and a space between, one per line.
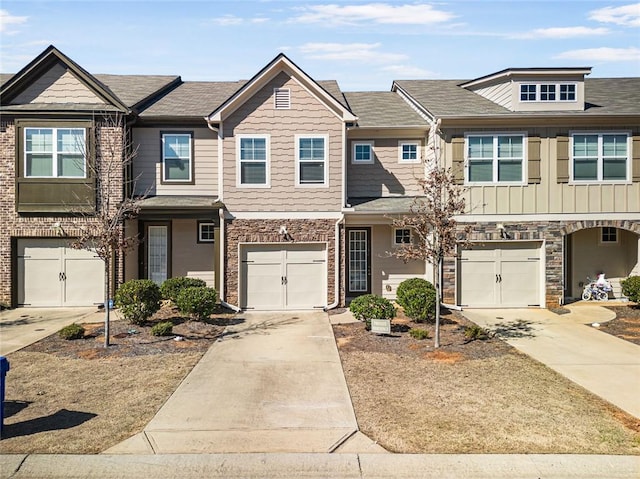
386, 176
307, 115
147, 167
549, 196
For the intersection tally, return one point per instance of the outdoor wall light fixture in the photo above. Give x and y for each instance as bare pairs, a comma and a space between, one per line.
503, 231
57, 228
285, 234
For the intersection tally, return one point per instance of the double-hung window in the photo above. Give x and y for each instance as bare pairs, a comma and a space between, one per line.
177, 158
362, 152
311, 156
600, 157
253, 160
495, 158
55, 153
409, 152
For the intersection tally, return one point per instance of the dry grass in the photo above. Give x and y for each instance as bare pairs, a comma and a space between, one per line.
412, 399
64, 405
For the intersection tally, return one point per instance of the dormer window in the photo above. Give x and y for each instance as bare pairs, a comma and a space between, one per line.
547, 92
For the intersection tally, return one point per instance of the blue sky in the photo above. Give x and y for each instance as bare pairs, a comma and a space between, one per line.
362, 44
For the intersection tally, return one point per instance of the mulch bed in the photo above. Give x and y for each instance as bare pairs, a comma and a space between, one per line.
129, 340
626, 325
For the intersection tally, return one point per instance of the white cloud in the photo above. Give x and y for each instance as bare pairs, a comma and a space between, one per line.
603, 54
627, 15
230, 20
408, 71
363, 52
562, 32
380, 13
8, 20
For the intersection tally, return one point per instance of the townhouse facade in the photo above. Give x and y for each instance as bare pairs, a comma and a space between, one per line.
280, 191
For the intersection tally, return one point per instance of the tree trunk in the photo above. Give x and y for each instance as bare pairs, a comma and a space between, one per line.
438, 296
107, 294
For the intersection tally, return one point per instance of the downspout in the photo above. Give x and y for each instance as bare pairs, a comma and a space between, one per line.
336, 294
222, 263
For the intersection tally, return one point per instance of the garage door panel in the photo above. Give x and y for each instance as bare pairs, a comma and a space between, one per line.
520, 285
305, 285
39, 282
84, 277
262, 286
478, 284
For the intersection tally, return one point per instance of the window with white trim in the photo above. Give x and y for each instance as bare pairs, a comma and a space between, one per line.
409, 151
547, 92
176, 157
281, 98
362, 152
600, 157
401, 236
567, 92
609, 235
206, 232
55, 153
311, 159
495, 158
253, 160
528, 92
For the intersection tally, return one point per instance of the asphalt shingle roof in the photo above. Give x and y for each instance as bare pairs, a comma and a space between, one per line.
132, 89
446, 99
382, 109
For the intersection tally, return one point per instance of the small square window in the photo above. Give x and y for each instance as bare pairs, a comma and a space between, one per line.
362, 152
609, 235
206, 232
547, 93
409, 152
567, 92
527, 92
401, 236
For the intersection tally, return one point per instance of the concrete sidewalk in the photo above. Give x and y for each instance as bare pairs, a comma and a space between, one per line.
370, 466
604, 364
23, 326
273, 383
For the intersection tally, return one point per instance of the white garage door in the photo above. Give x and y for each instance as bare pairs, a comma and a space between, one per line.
500, 275
283, 276
50, 273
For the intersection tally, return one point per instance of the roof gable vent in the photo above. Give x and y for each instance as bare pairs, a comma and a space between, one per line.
282, 98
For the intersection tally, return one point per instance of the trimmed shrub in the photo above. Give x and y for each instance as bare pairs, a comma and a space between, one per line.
73, 331
164, 328
138, 299
171, 287
474, 332
370, 306
199, 302
631, 288
419, 333
417, 297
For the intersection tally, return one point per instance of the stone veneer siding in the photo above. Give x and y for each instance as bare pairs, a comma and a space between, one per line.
15, 225
266, 231
552, 232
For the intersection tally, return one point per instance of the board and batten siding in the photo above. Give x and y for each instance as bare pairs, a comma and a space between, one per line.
387, 176
147, 162
57, 85
307, 115
551, 193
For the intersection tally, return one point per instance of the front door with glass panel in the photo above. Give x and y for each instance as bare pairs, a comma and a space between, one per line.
157, 253
358, 261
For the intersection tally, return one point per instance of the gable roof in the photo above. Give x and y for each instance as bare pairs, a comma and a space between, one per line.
448, 99
507, 73
279, 64
383, 109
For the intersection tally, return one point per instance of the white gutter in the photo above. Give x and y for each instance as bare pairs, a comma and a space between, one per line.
218, 132
336, 267
222, 263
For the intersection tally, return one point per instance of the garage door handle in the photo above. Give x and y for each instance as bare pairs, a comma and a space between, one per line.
283, 280
62, 276
498, 278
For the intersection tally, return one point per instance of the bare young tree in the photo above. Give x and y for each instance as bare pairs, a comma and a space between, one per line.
103, 231
435, 232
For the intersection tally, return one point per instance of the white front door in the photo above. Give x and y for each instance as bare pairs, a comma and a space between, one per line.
283, 276
157, 253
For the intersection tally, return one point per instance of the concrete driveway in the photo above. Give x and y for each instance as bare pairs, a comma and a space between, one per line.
605, 365
22, 326
273, 383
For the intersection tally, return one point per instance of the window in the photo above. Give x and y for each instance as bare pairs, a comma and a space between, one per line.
548, 92
609, 235
495, 158
54, 153
311, 158
281, 98
567, 92
401, 236
206, 232
253, 160
362, 152
176, 157
527, 92
409, 151
600, 157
